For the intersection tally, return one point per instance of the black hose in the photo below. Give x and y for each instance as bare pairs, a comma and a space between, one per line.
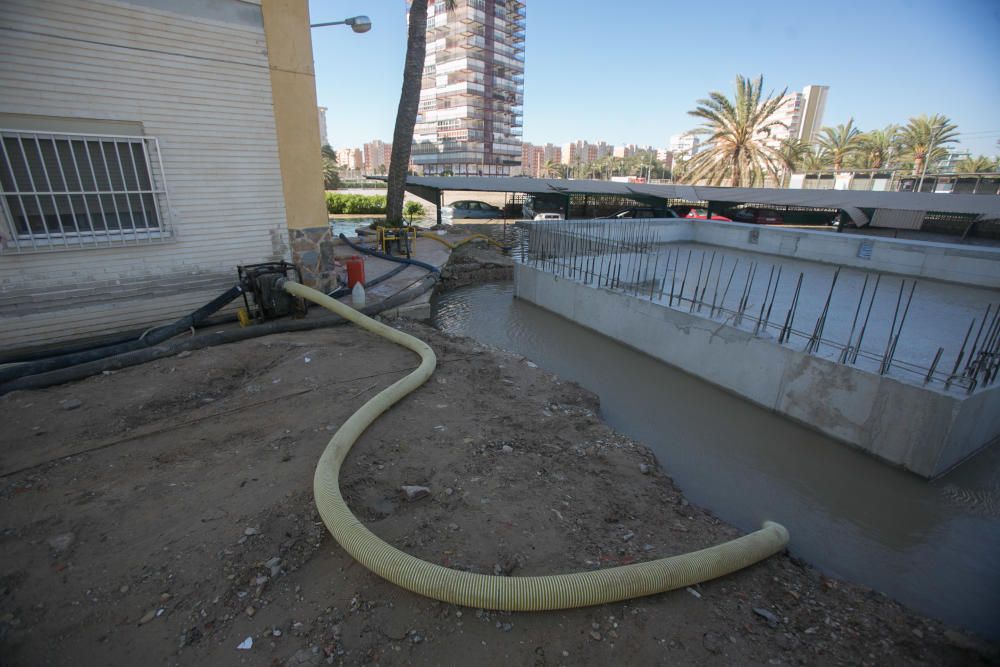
380, 255
135, 357
154, 337
344, 291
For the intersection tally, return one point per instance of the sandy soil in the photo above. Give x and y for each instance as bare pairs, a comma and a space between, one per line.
163, 515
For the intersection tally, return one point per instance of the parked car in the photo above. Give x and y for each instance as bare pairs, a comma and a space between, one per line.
549, 216
699, 214
642, 212
468, 208
757, 216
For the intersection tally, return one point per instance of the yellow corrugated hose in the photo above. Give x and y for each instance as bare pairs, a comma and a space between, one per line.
435, 237
561, 591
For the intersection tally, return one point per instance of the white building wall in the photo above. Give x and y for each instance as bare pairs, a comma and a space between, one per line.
196, 76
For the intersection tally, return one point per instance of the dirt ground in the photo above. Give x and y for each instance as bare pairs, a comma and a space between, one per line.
163, 515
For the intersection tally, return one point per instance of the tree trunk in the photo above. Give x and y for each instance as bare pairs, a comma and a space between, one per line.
406, 114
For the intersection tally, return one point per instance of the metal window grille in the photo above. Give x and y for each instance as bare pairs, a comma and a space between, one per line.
63, 191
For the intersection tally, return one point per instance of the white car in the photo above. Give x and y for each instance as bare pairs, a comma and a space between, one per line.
549, 216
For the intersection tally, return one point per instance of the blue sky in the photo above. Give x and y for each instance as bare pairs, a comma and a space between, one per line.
628, 72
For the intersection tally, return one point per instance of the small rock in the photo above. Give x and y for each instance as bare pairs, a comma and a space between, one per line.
811, 631
449, 491
273, 561
771, 619
452, 526
415, 637
917, 633
62, 541
694, 592
70, 403
531, 364
712, 642
628, 536
507, 449
595, 635
251, 531
648, 547
245, 645
276, 632
645, 468
184, 355
415, 492
250, 611
147, 617
123, 589
507, 627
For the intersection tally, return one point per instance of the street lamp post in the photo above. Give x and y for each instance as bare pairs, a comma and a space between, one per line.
357, 23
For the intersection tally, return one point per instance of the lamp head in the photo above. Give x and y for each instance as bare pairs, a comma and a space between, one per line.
359, 23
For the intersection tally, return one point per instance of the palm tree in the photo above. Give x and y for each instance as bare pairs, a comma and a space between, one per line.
793, 152
815, 160
878, 147
839, 142
554, 169
406, 113
975, 165
737, 131
924, 139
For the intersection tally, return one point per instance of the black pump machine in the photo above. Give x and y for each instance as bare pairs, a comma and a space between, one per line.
263, 298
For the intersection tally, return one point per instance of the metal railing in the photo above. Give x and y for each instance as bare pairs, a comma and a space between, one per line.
626, 256
62, 190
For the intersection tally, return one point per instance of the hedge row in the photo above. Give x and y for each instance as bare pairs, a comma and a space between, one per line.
339, 203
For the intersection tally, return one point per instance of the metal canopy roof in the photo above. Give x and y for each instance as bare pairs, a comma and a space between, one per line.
986, 206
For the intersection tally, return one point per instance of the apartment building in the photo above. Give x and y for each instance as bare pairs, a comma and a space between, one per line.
376, 156
324, 140
350, 158
684, 146
802, 115
469, 119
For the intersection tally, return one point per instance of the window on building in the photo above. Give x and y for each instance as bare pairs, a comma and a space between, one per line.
63, 190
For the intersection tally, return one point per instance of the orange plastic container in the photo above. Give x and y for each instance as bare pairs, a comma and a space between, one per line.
355, 270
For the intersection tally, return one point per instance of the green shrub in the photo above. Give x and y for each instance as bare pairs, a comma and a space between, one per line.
413, 209
354, 204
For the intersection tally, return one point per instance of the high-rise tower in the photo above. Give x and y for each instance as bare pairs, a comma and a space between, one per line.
469, 120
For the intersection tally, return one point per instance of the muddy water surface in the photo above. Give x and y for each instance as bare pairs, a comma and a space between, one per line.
934, 546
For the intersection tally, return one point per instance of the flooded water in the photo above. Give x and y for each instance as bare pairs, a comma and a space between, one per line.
934, 546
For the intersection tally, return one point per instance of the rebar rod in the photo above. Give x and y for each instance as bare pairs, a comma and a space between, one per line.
937, 358
715, 292
892, 327
687, 265
864, 327
857, 311
902, 321
763, 303
789, 317
961, 353
774, 295
722, 303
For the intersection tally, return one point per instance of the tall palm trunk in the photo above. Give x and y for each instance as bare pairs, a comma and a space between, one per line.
406, 114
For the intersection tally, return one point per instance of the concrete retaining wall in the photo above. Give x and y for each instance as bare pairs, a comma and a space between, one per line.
969, 265
920, 429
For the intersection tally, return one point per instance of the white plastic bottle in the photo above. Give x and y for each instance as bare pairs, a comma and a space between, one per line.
358, 295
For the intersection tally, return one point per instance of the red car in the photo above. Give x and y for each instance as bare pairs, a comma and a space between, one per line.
699, 214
